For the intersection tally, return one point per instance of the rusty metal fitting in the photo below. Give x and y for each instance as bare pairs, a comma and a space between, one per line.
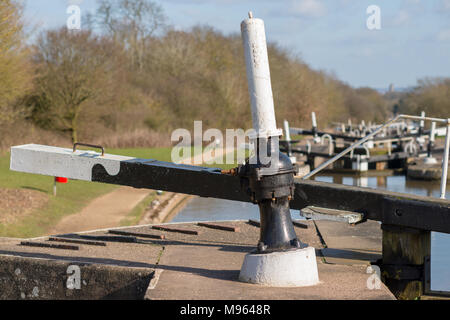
233, 171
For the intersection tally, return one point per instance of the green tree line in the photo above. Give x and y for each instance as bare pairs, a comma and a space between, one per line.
127, 70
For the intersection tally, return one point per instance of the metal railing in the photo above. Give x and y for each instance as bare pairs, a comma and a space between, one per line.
376, 131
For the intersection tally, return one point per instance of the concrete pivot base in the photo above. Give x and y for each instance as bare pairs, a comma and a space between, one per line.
295, 268
429, 160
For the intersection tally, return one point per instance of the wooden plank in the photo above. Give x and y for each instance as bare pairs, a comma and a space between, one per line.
137, 234
255, 223
127, 239
403, 249
299, 224
170, 229
79, 241
49, 245
219, 226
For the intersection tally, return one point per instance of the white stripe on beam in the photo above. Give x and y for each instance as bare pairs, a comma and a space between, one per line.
61, 162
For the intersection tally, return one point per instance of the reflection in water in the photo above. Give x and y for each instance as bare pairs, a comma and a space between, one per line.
338, 179
203, 209
210, 209
361, 182
381, 182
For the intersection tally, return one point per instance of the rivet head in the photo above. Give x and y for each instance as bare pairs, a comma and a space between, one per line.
261, 246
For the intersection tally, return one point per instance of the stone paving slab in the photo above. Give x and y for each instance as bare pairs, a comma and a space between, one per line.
191, 273
41, 278
203, 266
352, 245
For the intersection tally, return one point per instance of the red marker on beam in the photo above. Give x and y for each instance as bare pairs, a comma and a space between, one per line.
61, 180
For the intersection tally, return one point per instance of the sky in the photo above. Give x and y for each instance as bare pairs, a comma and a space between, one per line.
413, 41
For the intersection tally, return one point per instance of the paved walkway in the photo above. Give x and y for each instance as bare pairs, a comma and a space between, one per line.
191, 271
197, 266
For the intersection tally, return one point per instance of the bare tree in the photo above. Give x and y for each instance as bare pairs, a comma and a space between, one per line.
74, 68
131, 22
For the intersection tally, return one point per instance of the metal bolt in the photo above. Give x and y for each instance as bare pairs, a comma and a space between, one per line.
261, 246
296, 243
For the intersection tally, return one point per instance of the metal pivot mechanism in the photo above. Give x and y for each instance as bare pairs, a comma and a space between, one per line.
271, 186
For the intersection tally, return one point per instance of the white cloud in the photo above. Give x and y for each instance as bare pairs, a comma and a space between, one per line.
310, 8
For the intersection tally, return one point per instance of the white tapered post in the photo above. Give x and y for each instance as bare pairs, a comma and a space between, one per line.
287, 134
422, 123
429, 159
258, 76
445, 161
314, 120
433, 131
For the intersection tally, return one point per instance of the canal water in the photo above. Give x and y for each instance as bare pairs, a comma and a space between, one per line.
208, 209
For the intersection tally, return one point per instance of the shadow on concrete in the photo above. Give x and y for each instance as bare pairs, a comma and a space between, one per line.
333, 255
215, 274
223, 274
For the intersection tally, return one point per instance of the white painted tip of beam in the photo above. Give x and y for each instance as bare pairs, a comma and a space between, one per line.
287, 133
429, 160
250, 15
295, 268
313, 119
62, 162
258, 77
433, 131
